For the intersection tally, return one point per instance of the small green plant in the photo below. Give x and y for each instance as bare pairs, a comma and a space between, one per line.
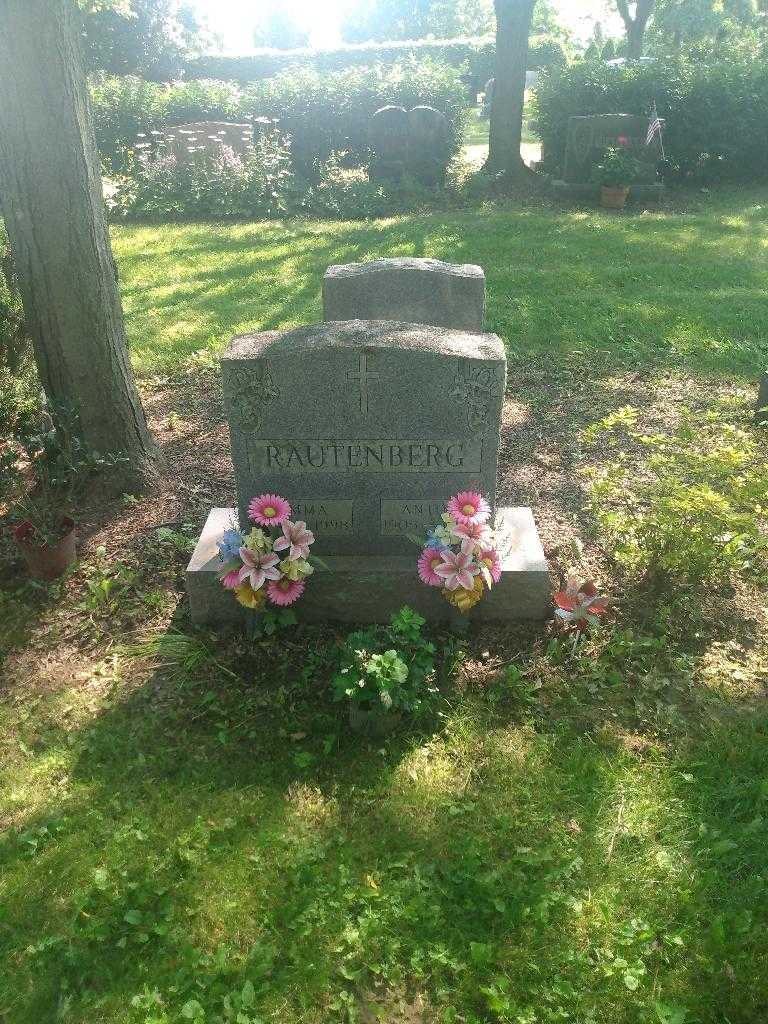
60, 464
387, 668
617, 169
694, 507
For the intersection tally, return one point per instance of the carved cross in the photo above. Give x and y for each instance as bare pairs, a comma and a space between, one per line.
361, 376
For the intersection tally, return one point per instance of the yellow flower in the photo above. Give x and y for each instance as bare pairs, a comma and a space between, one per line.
250, 598
295, 570
463, 599
257, 541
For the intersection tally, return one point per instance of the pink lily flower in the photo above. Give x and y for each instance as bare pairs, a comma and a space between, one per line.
258, 568
458, 568
478, 533
297, 537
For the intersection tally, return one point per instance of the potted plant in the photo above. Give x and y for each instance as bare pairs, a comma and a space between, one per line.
615, 172
44, 470
385, 672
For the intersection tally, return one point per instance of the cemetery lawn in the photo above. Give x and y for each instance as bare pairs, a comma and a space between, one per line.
188, 830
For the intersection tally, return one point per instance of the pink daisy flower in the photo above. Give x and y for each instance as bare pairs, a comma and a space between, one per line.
490, 559
297, 538
458, 568
231, 580
469, 507
478, 533
429, 560
284, 591
269, 510
258, 568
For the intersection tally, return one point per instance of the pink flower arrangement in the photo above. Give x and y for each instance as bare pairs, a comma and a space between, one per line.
251, 566
460, 556
469, 507
269, 510
297, 538
458, 568
429, 560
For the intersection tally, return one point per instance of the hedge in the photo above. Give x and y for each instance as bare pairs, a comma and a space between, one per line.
716, 112
476, 58
320, 113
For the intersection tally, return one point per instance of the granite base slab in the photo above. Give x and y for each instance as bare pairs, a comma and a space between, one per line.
587, 192
370, 588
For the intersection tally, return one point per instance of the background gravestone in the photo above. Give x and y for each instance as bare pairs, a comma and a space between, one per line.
368, 427
429, 145
416, 141
589, 136
419, 291
389, 142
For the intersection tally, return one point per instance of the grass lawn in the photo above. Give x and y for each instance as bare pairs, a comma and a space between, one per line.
191, 833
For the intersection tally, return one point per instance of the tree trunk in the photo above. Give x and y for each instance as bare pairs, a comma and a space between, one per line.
53, 206
513, 27
635, 27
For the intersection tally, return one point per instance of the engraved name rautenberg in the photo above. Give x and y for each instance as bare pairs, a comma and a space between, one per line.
371, 456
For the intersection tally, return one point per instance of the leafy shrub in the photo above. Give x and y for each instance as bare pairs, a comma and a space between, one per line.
321, 113
617, 169
475, 57
714, 110
389, 668
696, 507
208, 184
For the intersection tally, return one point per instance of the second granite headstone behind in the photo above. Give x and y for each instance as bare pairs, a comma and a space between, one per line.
406, 289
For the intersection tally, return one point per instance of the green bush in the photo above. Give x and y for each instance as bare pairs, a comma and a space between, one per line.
208, 184
475, 57
387, 668
321, 113
715, 111
694, 505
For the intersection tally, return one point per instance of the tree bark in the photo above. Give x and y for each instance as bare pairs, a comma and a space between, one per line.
635, 27
513, 27
53, 205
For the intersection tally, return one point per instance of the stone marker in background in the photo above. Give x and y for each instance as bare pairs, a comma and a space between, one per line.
417, 142
419, 291
389, 142
429, 146
367, 427
587, 139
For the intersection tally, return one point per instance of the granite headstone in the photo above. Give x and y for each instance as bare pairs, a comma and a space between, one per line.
588, 136
422, 291
388, 136
367, 427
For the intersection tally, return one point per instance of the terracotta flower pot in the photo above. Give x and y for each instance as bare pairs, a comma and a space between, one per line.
47, 561
613, 198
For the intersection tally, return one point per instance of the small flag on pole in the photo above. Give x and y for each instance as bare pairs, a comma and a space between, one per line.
654, 129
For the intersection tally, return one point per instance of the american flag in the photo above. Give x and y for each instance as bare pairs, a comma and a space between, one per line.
654, 127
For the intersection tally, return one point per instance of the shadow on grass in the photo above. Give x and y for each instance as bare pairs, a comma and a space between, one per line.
215, 830
680, 292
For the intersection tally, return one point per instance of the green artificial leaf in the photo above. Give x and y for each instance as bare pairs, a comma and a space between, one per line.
192, 1010
248, 995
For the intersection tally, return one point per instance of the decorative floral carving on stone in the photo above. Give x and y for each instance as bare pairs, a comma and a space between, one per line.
250, 391
476, 386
